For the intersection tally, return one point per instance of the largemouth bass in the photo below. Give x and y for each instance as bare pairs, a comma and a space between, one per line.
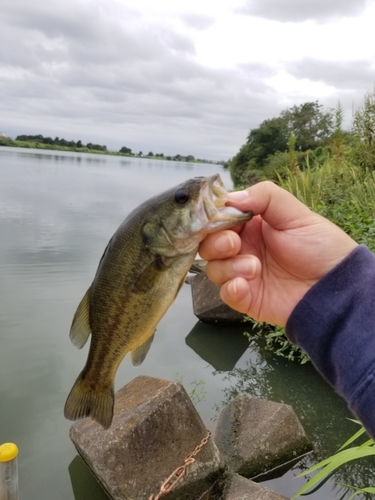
139, 275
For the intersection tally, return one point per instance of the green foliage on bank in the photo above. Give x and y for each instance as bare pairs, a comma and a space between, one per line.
273, 338
329, 169
305, 136
307, 126
47, 142
57, 144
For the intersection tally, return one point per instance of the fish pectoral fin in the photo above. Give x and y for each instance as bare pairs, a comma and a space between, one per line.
149, 276
140, 352
80, 329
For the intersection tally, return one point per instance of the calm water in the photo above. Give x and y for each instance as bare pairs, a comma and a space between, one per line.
57, 213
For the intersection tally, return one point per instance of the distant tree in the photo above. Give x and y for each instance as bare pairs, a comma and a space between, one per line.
34, 138
96, 147
190, 158
60, 142
150, 153
271, 136
310, 125
124, 149
177, 157
140, 153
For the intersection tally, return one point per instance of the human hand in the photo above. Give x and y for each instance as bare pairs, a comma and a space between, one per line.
267, 266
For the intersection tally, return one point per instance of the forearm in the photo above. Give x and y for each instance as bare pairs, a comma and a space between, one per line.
335, 324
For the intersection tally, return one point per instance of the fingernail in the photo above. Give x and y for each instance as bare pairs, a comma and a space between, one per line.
245, 267
224, 243
232, 288
238, 196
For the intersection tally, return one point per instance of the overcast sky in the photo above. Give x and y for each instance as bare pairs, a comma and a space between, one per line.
177, 76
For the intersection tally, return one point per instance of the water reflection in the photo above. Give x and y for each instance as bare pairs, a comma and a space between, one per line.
321, 411
84, 484
211, 342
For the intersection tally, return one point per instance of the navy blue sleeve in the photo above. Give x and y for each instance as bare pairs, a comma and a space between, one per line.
335, 324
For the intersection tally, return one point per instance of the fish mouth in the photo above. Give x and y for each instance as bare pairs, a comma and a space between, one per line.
214, 197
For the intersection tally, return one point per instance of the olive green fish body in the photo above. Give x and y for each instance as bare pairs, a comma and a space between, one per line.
139, 276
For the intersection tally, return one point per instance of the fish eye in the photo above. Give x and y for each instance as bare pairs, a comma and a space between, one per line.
181, 196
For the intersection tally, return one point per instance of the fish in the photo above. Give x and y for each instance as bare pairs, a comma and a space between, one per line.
139, 275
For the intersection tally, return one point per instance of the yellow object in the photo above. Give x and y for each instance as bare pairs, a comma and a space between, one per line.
8, 451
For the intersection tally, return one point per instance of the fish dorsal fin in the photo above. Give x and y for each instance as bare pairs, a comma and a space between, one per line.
140, 352
80, 329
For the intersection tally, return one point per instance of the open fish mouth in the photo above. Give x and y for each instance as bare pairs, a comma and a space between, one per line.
215, 197
218, 191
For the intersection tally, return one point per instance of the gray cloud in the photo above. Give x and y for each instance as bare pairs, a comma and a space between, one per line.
346, 75
98, 77
198, 21
303, 10
72, 70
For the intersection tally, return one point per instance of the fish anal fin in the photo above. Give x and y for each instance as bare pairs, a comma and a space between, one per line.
85, 401
80, 329
140, 352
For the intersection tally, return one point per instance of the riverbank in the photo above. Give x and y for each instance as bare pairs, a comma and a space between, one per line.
5, 141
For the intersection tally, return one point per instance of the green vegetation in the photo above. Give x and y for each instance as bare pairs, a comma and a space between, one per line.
57, 144
272, 338
197, 393
41, 141
342, 457
307, 152
305, 128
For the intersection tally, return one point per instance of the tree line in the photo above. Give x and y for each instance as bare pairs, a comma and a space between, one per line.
78, 145
60, 142
178, 157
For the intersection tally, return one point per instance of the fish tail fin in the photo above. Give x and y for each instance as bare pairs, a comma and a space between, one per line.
84, 401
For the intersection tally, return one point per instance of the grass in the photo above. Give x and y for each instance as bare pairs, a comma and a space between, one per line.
343, 456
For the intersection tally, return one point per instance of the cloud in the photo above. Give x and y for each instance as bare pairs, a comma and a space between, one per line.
197, 21
346, 75
303, 10
100, 71
141, 85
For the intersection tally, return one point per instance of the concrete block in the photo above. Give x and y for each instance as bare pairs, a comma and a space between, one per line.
207, 304
155, 426
240, 488
258, 437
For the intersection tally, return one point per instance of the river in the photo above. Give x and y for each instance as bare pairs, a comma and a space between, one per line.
57, 213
